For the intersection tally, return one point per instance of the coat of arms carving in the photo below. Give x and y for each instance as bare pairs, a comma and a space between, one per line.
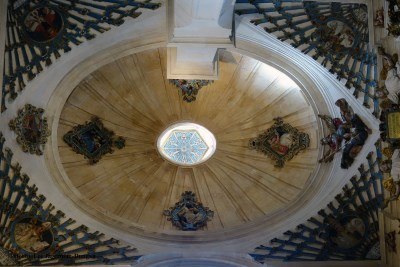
93, 140
190, 88
188, 214
281, 142
31, 129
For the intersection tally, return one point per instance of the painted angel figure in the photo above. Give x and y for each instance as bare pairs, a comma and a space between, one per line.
338, 130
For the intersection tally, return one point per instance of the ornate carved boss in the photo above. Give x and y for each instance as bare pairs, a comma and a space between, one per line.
93, 140
188, 214
31, 129
190, 88
281, 142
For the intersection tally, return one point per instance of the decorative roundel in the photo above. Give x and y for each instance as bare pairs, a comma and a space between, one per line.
347, 231
335, 35
43, 24
186, 144
32, 236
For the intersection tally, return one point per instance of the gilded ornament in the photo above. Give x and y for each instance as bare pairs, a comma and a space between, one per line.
281, 142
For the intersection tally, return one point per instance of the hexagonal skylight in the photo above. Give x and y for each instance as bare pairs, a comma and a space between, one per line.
186, 144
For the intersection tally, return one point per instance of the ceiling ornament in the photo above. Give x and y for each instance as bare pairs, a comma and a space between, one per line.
334, 34
346, 229
93, 140
190, 88
281, 142
31, 128
35, 233
188, 214
40, 32
350, 128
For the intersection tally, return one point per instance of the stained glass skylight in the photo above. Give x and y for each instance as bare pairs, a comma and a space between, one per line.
186, 144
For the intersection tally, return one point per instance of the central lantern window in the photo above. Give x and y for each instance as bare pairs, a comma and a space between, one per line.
186, 144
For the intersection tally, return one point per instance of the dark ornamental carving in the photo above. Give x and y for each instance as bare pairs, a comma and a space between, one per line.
188, 214
281, 142
31, 129
93, 140
390, 240
190, 88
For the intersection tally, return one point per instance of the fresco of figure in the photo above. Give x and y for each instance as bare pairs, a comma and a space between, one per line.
28, 236
346, 233
43, 24
281, 142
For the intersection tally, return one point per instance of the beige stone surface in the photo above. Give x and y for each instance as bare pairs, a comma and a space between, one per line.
134, 99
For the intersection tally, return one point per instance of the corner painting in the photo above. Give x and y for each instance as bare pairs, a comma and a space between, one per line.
188, 214
93, 140
29, 235
43, 24
281, 142
31, 129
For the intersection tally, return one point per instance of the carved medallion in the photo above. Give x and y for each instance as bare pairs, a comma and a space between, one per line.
281, 142
93, 140
188, 214
347, 231
32, 236
190, 88
43, 24
31, 129
334, 36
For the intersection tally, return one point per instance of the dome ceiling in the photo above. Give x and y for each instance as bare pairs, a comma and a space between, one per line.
134, 185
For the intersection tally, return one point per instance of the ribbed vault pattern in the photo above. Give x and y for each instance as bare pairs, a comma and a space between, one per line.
134, 99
